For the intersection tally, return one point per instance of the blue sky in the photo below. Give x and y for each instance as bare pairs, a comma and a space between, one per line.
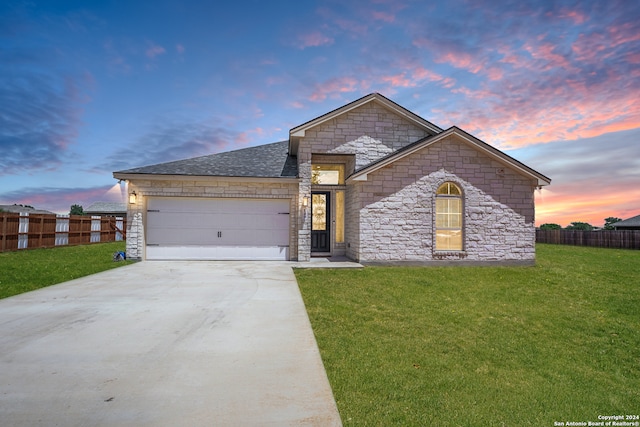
87, 88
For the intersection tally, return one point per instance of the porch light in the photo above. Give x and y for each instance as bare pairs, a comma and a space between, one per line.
305, 201
133, 198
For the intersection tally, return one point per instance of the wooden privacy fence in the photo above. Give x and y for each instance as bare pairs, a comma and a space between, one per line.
627, 239
24, 230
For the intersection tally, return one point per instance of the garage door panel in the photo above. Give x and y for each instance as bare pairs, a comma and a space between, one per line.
200, 228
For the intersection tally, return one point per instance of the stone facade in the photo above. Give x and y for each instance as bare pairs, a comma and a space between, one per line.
391, 215
210, 188
368, 132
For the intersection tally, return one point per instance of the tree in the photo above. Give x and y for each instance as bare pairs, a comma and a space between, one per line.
579, 226
76, 210
608, 222
550, 226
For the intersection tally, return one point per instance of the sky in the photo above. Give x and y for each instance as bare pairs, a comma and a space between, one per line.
92, 87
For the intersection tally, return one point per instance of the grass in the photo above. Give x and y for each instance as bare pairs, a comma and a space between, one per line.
484, 346
27, 270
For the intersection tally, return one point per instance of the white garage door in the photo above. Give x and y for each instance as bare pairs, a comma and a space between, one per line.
217, 229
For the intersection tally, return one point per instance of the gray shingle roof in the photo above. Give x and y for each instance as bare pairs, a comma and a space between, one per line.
107, 207
264, 161
20, 208
630, 222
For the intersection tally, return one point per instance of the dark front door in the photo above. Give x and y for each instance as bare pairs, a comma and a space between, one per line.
320, 214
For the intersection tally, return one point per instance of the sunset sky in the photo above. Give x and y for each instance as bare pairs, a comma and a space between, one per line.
88, 87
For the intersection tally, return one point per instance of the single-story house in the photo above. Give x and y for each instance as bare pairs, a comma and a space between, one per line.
370, 180
107, 209
632, 223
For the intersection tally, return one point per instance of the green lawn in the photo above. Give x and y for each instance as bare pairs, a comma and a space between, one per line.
467, 346
26, 270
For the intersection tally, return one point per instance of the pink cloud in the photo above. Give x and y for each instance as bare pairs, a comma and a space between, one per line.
383, 16
334, 86
597, 46
574, 15
475, 63
633, 57
548, 56
155, 50
59, 200
421, 73
180, 49
398, 80
584, 202
495, 73
275, 80
624, 33
314, 39
461, 60
246, 137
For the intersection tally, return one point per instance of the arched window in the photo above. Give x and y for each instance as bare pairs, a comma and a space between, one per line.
449, 218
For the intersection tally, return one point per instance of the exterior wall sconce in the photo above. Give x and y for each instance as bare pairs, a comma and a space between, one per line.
132, 198
305, 201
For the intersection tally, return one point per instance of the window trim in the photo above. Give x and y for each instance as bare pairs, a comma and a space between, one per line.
448, 196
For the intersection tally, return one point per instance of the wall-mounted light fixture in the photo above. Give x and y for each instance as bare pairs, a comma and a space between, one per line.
132, 198
305, 201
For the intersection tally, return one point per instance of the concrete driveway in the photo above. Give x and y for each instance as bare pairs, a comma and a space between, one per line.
164, 344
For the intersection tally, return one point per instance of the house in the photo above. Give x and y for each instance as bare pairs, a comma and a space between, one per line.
371, 181
107, 209
628, 224
24, 209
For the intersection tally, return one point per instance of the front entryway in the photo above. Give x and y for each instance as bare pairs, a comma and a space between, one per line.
320, 222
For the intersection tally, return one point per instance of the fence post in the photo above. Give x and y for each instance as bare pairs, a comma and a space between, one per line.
4, 233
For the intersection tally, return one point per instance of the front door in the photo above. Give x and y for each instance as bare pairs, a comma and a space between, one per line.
320, 215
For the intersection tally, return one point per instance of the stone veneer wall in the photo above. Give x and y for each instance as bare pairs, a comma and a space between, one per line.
210, 188
395, 209
369, 132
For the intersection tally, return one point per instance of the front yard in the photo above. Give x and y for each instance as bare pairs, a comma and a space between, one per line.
29, 269
482, 346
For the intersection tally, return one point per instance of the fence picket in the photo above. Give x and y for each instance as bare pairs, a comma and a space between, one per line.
24, 230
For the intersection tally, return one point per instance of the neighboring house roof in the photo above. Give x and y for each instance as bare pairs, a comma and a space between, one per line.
300, 130
21, 208
106, 207
263, 161
476, 143
631, 222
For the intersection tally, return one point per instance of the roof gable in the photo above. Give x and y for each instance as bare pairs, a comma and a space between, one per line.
262, 161
299, 131
361, 174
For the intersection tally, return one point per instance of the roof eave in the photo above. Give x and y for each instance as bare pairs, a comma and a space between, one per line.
163, 177
494, 153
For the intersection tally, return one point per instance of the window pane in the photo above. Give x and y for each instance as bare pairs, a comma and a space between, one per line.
327, 174
449, 240
455, 214
319, 212
339, 216
449, 189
